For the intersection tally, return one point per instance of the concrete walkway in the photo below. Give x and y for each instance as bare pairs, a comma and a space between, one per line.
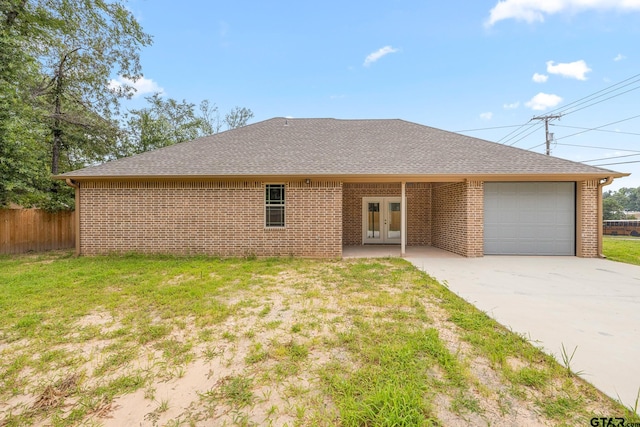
591, 304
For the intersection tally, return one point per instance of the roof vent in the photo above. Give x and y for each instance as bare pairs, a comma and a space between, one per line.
286, 122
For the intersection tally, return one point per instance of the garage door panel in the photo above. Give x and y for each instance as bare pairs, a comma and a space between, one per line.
529, 218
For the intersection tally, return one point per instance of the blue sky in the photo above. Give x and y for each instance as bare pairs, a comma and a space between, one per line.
454, 65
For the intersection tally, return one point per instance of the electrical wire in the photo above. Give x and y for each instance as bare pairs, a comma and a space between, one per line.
601, 101
596, 129
619, 163
536, 146
514, 131
609, 158
564, 110
520, 139
495, 127
607, 89
601, 148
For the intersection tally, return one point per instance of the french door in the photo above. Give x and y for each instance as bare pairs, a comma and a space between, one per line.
381, 220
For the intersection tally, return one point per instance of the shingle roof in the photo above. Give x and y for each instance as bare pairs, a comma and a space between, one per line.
323, 147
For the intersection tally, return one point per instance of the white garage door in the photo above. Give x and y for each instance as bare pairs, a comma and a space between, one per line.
529, 218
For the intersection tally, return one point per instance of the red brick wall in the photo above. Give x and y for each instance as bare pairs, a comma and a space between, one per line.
418, 213
588, 221
418, 210
457, 220
215, 218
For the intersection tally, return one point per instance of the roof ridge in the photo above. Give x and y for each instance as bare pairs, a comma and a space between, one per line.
338, 147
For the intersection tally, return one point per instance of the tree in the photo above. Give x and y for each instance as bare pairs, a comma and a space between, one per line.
238, 117
78, 59
164, 122
23, 168
168, 121
57, 58
627, 198
210, 118
612, 209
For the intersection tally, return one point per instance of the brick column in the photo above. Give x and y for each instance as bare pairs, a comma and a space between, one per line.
475, 218
587, 221
458, 218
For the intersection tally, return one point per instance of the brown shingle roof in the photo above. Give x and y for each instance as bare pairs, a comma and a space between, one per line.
323, 147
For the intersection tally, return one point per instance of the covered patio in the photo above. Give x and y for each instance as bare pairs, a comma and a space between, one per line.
397, 216
384, 251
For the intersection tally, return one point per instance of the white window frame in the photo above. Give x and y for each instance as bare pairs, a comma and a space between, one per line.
277, 203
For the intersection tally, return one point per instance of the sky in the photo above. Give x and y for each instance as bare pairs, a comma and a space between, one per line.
483, 68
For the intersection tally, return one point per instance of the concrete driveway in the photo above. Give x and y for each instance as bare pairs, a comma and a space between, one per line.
591, 304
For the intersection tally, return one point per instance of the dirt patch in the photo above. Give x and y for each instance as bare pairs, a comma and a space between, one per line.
264, 362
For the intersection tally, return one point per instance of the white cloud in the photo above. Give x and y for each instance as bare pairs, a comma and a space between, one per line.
374, 56
539, 78
542, 101
574, 70
619, 57
535, 10
511, 106
141, 86
486, 116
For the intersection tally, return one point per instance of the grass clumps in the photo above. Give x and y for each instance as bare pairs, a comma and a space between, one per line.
264, 342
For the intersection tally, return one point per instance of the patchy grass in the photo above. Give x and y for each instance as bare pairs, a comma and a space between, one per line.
622, 249
158, 340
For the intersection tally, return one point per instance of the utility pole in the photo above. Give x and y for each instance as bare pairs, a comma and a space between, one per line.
548, 135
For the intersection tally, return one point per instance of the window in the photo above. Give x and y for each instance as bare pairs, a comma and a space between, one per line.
274, 205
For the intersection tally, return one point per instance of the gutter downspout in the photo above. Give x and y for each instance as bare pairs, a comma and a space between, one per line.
403, 220
76, 185
601, 183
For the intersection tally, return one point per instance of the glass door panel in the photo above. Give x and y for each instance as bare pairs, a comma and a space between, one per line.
393, 220
373, 220
381, 220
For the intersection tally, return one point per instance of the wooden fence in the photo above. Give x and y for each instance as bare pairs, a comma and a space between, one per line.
24, 230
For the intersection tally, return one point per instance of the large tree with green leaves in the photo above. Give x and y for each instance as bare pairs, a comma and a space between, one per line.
22, 170
93, 40
166, 121
628, 198
57, 61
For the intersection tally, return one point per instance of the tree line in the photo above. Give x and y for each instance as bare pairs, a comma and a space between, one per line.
59, 110
616, 204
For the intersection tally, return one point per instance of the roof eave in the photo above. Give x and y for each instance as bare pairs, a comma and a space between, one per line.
357, 177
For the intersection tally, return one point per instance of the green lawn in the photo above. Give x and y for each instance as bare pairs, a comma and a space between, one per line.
622, 249
140, 340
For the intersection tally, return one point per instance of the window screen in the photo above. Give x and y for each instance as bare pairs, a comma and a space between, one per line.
274, 205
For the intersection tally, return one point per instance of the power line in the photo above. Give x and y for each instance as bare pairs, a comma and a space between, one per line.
549, 136
609, 158
606, 99
536, 146
601, 148
514, 131
520, 139
619, 163
495, 127
586, 98
565, 108
596, 129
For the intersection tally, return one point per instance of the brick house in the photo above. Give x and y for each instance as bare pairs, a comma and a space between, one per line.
308, 187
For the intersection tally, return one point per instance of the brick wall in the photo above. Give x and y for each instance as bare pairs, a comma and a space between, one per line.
457, 218
418, 213
588, 221
215, 218
418, 209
